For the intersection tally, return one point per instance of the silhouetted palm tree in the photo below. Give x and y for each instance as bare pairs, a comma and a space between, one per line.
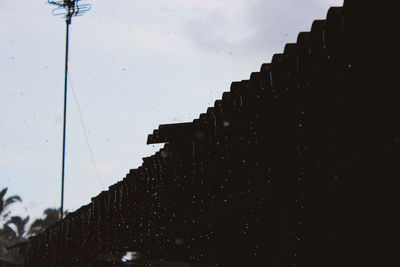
13, 232
51, 216
19, 225
6, 202
14, 228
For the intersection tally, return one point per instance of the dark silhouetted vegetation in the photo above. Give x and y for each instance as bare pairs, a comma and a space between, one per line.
16, 229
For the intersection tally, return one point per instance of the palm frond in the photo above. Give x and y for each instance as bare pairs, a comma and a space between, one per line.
11, 200
3, 192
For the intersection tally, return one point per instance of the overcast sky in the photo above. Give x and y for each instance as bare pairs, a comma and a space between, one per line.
133, 65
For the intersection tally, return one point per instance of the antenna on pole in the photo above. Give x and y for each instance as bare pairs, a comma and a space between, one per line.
69, 9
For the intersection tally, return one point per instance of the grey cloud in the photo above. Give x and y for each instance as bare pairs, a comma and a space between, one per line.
271, 23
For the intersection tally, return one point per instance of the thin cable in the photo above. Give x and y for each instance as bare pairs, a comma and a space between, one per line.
85, 132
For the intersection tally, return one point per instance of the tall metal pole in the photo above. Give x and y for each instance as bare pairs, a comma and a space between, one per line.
69, 8
67, 22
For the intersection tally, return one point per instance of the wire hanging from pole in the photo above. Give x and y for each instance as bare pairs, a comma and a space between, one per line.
85, 132
68, 8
